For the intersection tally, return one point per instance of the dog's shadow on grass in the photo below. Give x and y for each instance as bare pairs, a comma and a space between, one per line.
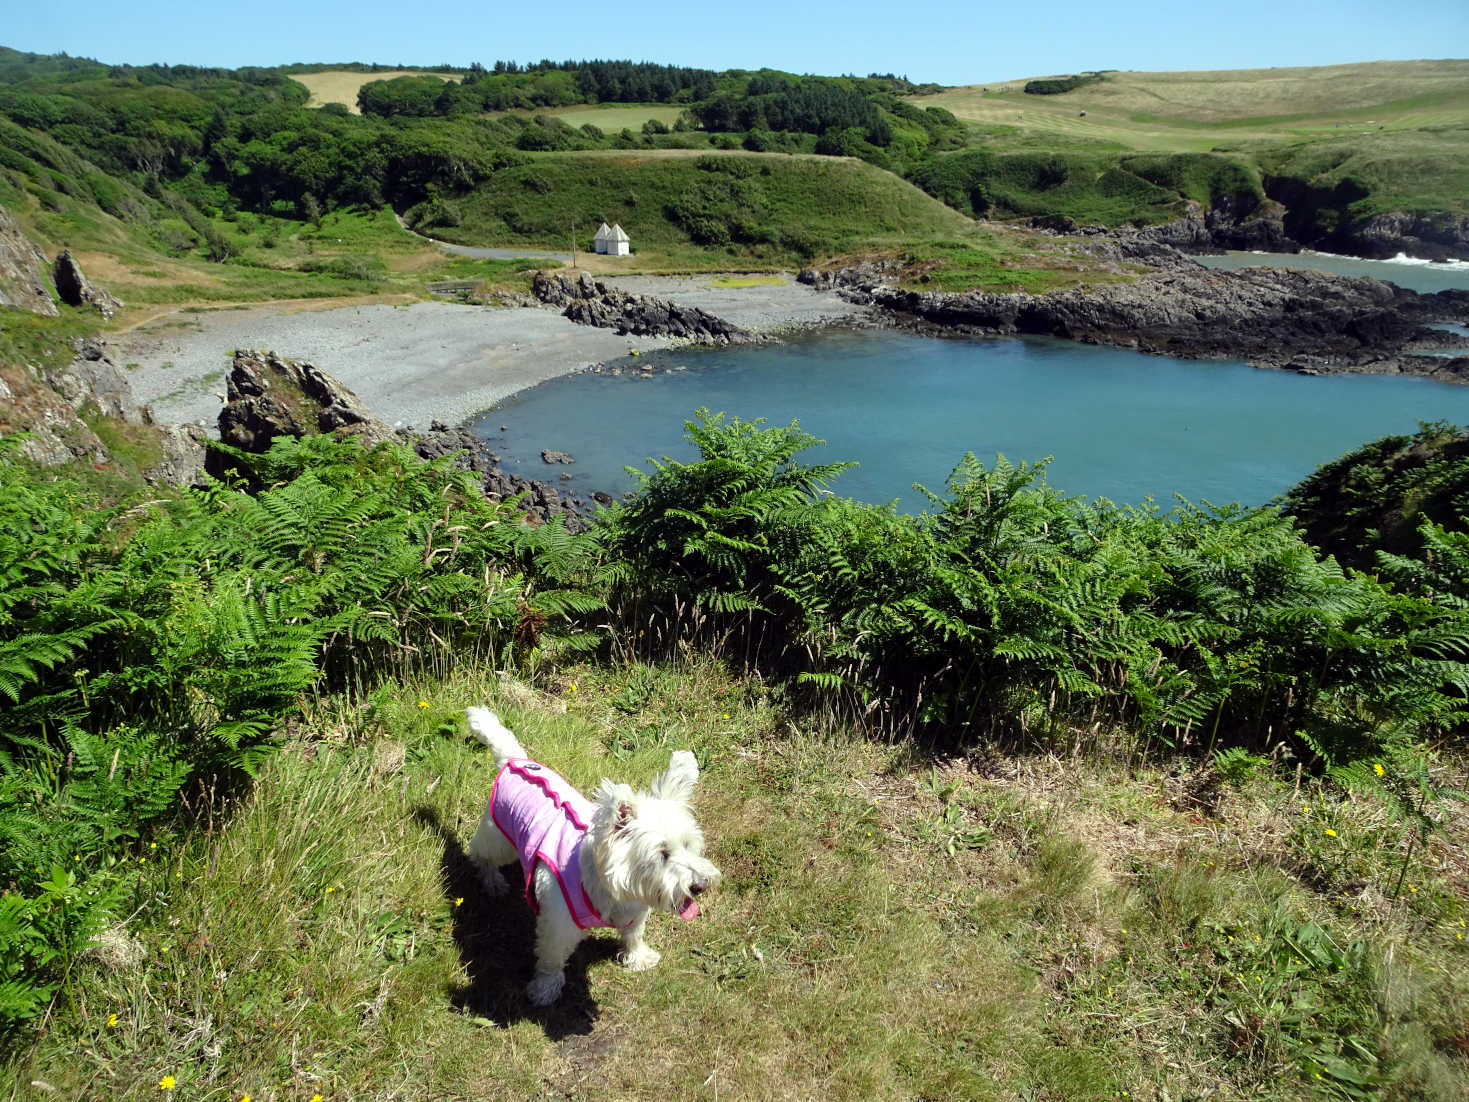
496, 939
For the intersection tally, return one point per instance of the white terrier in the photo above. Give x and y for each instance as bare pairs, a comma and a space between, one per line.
588, 865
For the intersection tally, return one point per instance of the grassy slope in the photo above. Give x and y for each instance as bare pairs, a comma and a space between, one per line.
1401, 126
838, 200
890, 925
1183, 112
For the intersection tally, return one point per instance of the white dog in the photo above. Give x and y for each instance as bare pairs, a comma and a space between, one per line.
588, 865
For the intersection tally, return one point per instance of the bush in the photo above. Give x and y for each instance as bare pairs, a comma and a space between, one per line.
146, 653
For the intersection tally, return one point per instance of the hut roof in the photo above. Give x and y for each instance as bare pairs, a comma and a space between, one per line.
618, 234
603, 234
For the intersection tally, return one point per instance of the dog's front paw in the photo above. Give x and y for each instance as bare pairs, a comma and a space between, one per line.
546, 988
641, 958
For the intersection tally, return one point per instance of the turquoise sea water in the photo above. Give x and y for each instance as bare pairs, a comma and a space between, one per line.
1119, 424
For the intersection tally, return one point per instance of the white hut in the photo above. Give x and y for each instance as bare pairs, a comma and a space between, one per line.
604, 235
618, 243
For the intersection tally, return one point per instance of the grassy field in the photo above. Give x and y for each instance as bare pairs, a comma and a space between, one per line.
1060, 923
1194, 111
340, 86
612, 117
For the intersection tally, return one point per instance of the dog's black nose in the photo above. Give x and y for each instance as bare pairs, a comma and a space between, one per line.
698, 887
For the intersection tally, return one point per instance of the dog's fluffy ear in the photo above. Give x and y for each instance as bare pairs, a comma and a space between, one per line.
677, 782
621, 799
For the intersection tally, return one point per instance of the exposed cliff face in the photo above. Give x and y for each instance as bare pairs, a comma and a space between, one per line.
22, 268
55, 411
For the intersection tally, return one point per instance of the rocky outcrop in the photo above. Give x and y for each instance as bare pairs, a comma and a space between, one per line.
75, 289
589, 301
539, 499
22, 268
267, 396
1274, 317
1427, 236
58, 410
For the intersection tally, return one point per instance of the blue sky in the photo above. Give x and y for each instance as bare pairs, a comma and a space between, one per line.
940, 40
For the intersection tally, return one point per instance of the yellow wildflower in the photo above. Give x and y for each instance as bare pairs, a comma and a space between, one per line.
167, 1083
571, 688
423, 703
111, 1020
1330, 833
458, 900
1377, 768
316, 1098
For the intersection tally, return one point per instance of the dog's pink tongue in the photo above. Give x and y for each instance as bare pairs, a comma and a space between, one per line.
690, 911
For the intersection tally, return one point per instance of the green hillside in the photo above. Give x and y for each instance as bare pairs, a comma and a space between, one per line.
725, 207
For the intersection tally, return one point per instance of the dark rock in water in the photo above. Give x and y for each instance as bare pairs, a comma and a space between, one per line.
76, 289
1271, 316
472, 454
1430, 236
22, 271
556, 457
589, 301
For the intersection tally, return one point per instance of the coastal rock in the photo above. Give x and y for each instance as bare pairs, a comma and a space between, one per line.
75, 289
549, 456
589, 301
267, 396
59, 407
22, 268
1270, 316
472, 454
1436, 236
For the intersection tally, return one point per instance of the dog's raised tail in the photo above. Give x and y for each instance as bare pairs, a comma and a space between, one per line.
489, 730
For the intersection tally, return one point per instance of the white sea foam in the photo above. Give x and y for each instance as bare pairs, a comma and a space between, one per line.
1447, 265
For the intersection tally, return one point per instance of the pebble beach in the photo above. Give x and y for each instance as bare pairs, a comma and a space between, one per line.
430, 360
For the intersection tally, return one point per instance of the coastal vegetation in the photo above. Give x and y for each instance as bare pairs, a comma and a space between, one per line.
1024, 796
176, 160
222, 702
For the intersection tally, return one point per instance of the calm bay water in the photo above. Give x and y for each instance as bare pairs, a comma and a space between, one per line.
1119, 424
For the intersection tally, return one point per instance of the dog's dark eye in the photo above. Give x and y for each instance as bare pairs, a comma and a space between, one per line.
666, 853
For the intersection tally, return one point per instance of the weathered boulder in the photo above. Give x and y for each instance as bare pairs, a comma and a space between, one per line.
589, 301
267, 396
549, 455
75, 289
22, 271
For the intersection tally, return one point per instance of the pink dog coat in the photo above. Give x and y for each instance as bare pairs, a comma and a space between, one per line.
546, 820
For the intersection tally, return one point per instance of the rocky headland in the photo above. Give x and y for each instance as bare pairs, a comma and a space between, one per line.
1287, 318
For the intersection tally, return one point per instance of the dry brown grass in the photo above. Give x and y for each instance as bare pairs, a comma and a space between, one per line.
340, 86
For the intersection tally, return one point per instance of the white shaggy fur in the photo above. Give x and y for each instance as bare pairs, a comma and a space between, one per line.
644, 851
